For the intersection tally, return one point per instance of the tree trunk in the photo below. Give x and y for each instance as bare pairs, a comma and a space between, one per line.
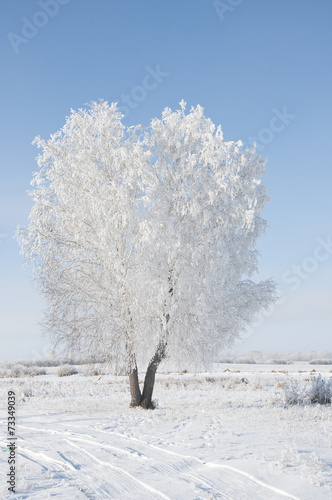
146, 401
135, 390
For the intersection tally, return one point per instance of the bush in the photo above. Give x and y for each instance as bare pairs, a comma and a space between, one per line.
245, 361
226, 361
278, 362
66, 370
319, 391
26, 393
320, 362
20, 371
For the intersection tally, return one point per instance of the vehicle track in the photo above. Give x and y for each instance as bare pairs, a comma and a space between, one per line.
118, 466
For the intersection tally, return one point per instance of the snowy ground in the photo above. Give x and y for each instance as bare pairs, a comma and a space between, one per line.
221, 435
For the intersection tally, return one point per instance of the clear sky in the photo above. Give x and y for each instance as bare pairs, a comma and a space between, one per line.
262, 69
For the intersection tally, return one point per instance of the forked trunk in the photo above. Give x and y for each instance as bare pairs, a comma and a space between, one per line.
137, 398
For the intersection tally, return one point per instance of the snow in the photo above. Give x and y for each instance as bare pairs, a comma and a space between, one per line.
226, 434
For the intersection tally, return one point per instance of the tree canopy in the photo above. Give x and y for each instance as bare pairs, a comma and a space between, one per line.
143, 239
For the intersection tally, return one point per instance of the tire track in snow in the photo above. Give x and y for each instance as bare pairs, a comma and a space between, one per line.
121, 472
203, 463
53, 483
86, 469
188, 474
233, 469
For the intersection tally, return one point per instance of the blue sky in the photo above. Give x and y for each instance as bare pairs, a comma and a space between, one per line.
260, 69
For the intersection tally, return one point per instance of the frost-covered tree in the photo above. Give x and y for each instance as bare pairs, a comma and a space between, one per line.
143, 240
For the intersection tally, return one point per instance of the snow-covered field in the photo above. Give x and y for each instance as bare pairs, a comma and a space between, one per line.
228, 434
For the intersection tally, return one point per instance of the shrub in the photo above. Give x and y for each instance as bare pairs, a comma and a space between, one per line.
226, 361
19, 371
318, 391
66, 370
245, 361
278, 362
320, 362
26, 393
